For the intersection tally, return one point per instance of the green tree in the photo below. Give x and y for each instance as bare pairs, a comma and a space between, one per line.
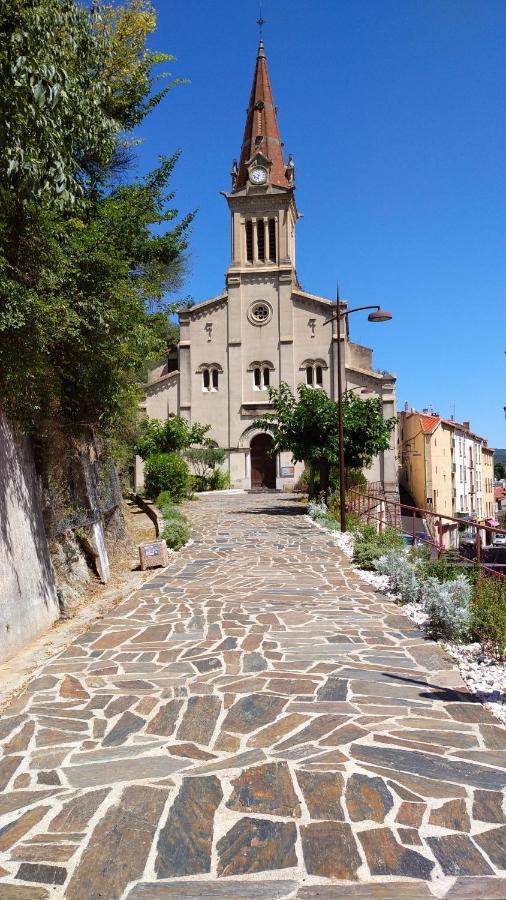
366, 432
500, 470
173, 435
205, 459
86, 263
308, 427
54, 102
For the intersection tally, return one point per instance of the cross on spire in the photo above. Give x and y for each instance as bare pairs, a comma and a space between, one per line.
260, 23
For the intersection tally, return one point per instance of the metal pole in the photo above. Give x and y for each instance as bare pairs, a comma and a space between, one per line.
342, 480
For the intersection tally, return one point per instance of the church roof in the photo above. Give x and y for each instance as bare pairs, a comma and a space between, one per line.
261, 134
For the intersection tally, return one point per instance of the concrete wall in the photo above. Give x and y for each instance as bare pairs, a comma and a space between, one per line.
28, 599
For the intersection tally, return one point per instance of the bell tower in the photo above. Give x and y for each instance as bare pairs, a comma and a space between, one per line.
261, 199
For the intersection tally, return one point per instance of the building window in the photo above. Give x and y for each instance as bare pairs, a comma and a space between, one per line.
261, 377
272, 240
249, 240
261, 239
260, 312
210, 377
314, 372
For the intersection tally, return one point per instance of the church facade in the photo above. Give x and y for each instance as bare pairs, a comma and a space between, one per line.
263, 329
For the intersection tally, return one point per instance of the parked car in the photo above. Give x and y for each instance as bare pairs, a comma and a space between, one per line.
500, 540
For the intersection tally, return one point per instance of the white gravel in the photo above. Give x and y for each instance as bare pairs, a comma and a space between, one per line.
483, 675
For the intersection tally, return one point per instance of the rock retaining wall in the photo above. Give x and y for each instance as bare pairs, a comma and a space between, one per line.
28, 597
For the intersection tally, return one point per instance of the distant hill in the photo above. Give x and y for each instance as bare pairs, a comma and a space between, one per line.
499, 456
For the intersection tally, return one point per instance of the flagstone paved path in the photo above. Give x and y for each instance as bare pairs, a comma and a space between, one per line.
254, 722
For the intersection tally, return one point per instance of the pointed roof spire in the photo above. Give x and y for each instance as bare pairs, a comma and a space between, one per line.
261, 134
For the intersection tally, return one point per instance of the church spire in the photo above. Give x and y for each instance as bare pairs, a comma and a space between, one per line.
261, 134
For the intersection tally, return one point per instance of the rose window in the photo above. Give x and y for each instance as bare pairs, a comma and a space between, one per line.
260, 313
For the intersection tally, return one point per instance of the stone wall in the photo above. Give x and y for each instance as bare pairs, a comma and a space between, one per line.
28, 598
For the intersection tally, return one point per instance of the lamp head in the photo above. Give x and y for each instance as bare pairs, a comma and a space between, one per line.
380, 315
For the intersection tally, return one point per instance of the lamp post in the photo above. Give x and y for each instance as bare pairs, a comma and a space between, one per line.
377, 315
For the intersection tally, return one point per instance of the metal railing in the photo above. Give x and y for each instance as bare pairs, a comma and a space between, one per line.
467, 540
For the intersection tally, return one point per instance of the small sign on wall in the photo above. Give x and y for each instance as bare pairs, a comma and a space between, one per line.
287, 471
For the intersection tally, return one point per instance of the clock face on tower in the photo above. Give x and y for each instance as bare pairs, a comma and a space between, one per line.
258, 175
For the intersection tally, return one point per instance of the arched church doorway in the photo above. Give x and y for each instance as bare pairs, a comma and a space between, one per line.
263, 465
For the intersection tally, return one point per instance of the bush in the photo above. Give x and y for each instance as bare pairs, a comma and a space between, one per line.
488, 614
164, 499
200, 482
370, 545
317, 510
216, 481
403, 574
169, 473
356, 480
170, 511
447, 604
176, 532
446, 568
219, 480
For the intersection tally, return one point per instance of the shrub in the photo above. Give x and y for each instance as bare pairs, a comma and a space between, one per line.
403, 575
169, 473
200, 482
488, 614
444, 569
352, 521
447, 604
317, 510
370, 545
216, 481
164, 499
356, 480
176, 532
171, 511
219, 480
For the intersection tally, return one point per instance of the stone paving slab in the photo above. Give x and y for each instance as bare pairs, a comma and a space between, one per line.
254, 722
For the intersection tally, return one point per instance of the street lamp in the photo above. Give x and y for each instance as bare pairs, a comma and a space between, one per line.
378, 315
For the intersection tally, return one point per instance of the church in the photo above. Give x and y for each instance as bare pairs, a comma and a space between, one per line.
263, 328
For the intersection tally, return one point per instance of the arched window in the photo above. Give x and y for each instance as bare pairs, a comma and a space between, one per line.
261, 239
272, 240
313, 369
249, 240
210, 376
261, 374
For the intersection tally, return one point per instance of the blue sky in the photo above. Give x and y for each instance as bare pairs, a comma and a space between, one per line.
394, 112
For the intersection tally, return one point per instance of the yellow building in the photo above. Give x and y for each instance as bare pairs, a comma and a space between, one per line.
446, 468
488, 482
